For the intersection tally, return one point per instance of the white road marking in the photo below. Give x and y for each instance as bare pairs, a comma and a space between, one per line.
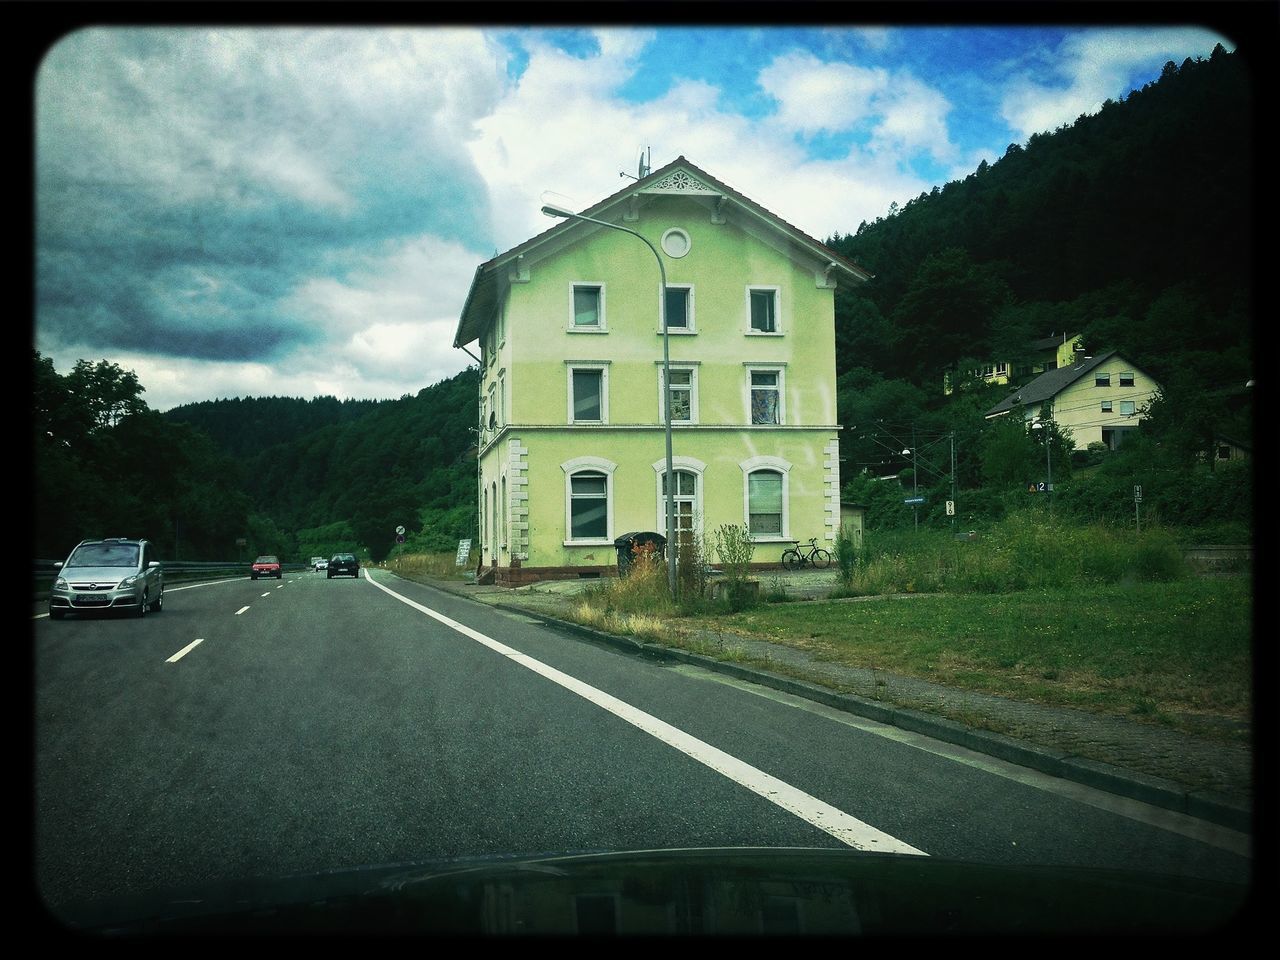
266, 594
241, 610
1181, 823
845, 828
185, 650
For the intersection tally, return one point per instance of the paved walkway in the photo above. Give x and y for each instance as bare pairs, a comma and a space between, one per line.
1209, 778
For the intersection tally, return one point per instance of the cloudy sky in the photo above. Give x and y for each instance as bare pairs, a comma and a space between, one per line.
299, 212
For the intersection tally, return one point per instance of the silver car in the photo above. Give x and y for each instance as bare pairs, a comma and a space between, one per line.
113, 574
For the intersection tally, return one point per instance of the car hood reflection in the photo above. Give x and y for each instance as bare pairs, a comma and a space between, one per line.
733, 891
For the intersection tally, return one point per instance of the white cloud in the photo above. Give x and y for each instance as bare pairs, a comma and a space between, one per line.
562, 128
1090, 67
914, 117
404, 300
814, 96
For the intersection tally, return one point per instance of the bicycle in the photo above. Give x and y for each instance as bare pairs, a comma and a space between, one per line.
795, 558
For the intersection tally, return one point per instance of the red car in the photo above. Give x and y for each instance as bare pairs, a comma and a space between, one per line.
266, 567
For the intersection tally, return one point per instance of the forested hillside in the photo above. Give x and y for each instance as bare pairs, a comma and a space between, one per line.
1133, 227
373, 466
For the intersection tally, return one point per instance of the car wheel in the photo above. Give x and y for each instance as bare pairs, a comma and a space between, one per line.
328, 574
142, 608
158, 605
56, 613
253, 576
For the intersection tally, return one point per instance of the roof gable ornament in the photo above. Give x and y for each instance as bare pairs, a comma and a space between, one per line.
680, 181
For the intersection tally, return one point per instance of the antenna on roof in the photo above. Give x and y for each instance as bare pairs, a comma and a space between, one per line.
642, 166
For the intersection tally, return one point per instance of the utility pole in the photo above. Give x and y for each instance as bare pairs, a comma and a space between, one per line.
915, 480
953, 478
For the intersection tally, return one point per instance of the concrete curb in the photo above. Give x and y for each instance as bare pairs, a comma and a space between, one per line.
1107, 777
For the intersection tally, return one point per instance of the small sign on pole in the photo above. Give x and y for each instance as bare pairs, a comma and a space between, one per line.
951, 508
1137, 493
464, 551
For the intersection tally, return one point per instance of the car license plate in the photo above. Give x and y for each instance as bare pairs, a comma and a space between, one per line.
92, 598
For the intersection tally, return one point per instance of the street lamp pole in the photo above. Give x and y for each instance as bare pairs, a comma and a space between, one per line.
552, 210
1047, 427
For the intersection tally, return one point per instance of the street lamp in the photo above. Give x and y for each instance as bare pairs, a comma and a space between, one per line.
1046, 426
552, 210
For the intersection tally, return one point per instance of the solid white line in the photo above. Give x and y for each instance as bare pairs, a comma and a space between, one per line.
241, 610
267, 594
185, 650
845, 828
1184, 824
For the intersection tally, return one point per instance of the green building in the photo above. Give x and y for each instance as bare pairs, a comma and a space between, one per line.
572, 439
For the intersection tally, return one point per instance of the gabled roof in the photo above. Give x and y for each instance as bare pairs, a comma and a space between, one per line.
1049, 384
483, 296
1051, 342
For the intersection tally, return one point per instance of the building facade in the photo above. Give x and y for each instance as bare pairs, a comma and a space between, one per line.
572, 434
1099, 399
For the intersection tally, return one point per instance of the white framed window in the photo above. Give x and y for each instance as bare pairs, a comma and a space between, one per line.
765, 495
679, 298
588, 501
588, 393
688, 494
1102, 379
502, 325
492, 422
502, 398
1128, 408
586, 307
762, 311
1106, 406
765, 392
684, 393
1126, 379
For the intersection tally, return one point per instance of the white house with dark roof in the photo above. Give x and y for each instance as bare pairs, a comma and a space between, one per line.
1099, 399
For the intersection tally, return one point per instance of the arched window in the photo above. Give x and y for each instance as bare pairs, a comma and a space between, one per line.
765, 497
688, 494
588, 500
764, 503
588, 506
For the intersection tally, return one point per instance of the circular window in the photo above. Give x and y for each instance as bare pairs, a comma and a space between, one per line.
676, 243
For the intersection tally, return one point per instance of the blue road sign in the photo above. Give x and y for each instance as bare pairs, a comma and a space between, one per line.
914, 500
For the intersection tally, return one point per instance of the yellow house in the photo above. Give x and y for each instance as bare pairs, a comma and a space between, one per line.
1048, 353
572, 427
1099, 399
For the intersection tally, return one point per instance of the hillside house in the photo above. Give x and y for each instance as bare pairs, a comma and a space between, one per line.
1099, 399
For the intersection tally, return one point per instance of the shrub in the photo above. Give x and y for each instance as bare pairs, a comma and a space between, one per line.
846, 557
691, 567
734, 548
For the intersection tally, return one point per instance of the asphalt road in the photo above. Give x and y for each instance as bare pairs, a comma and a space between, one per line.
273, 728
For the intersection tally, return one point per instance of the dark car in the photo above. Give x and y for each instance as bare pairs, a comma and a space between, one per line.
266, 567
343, 563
